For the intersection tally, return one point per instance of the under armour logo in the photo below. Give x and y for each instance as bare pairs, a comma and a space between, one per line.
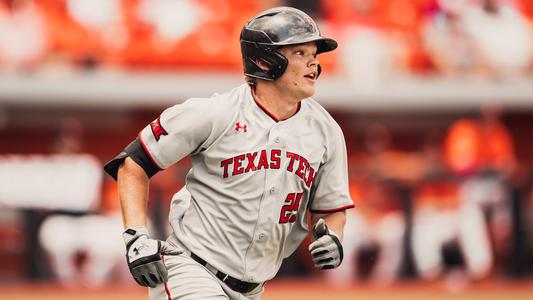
238, 127
137, 250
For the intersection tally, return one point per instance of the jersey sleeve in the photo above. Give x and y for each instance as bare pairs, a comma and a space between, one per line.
182, 130
331, 192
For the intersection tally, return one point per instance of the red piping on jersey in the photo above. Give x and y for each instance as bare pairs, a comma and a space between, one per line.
148, 152
266, 110
325, 211
166, 286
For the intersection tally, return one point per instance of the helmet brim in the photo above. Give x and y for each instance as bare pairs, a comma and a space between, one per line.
323, 44
326, 45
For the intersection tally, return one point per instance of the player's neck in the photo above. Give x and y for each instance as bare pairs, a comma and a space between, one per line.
282, 106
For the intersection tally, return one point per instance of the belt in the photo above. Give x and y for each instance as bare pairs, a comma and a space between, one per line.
233, 283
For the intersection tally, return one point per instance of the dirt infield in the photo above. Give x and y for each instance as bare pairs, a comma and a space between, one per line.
293, 290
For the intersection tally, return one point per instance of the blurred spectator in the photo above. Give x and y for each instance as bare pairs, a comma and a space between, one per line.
366, 56
379, 37
452, 50
502, 35
481, 153
377, 226
86, 250
482, 145
442, 226
437, 219
69, 139
161, 14
104, 20
23, 41
83, 247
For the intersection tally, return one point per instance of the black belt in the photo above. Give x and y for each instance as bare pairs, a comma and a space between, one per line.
234, 283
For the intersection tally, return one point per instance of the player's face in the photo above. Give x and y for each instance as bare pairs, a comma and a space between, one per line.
302, 70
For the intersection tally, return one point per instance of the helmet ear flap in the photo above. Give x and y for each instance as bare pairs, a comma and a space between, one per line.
268, 54
279, 65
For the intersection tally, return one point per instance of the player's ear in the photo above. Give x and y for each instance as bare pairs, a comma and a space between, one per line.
263, 64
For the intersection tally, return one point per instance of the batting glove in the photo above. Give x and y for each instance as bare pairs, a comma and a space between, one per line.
144, 256
326, 250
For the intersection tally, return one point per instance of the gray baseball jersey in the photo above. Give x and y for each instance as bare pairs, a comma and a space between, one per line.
253, 179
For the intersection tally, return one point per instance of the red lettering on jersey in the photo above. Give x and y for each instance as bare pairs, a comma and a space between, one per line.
263, 161
274, 159
292, 156
310, 177
225, 163
290, 209
302, 166
251, 166
157, 129
304, 170
295, 207
237, 165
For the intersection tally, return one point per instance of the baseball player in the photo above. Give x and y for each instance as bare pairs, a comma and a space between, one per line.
265, 156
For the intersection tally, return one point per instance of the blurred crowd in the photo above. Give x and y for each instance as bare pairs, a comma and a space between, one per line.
450, 204
489, 39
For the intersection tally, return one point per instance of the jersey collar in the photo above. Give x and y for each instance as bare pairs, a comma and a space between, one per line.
266, 111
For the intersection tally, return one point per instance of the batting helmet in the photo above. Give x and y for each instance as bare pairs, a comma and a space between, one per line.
272, 29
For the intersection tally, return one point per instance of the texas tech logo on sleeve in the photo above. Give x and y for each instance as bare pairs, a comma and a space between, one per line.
157, 129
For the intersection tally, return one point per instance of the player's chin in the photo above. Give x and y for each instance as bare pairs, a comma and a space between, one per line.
307, 91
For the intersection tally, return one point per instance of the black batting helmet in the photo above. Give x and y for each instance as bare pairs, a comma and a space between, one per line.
271, 29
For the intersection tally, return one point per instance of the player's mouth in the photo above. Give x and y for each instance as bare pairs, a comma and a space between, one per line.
312, 76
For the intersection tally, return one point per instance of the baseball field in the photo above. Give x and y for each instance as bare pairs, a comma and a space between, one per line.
296, 290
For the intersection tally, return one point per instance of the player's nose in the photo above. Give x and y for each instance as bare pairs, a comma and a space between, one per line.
312, 63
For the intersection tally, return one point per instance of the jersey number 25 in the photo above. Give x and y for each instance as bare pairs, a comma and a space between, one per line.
290, 209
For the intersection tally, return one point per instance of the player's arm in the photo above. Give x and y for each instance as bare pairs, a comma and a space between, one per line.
133, 193
334, 221
143, 253
330, 200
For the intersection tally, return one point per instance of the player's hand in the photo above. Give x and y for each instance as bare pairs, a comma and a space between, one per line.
326, 250
144, 256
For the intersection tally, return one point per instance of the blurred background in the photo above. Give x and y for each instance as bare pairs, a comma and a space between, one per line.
435, 98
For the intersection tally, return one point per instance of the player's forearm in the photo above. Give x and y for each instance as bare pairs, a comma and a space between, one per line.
133, 192
335, 221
